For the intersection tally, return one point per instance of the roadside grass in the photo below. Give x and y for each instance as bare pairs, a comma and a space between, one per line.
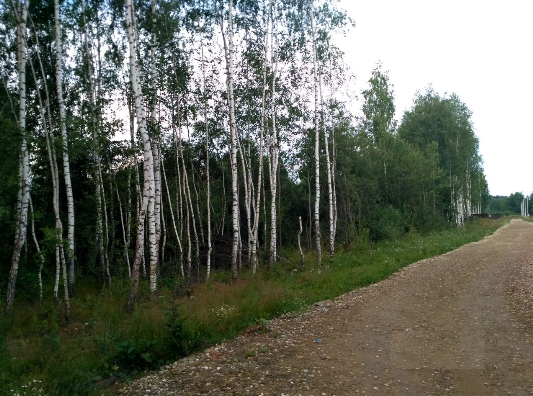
41, 355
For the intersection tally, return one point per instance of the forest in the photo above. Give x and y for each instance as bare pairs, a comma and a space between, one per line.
144, 143
511, 205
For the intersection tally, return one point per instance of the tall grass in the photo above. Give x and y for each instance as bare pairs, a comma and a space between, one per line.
103, 344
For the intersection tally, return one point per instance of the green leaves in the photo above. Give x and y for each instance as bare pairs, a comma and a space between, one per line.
135, 353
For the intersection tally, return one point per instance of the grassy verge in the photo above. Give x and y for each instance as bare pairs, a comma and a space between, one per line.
40, 355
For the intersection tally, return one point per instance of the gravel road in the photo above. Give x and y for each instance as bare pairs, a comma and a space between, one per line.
456, 324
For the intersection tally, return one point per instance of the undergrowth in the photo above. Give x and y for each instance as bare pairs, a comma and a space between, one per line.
41, 355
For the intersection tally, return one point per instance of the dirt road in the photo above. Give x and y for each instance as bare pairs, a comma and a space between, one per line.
456, 324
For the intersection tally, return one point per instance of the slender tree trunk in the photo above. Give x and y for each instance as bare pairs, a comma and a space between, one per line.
47, 124
310, 211
247, 194
107, 274
39, 254
317, 139
66, 162
197, 206
157, 167
96, 153
257, 203
302, 257
24, 158
192, 211
124, 235
273, 148
176, 234
164, 233
65, 283
148, 204
187, 230
333, 177
228, 50
208, 196
179, 194
208, 182
329, 175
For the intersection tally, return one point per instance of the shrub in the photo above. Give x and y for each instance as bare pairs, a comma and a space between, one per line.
135, 354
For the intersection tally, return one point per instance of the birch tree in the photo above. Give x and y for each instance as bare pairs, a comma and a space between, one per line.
273, 146
228, 52
21, 10
65, 154
148, 198
47, 124
314, 55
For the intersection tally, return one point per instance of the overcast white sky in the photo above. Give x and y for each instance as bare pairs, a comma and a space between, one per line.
479, 49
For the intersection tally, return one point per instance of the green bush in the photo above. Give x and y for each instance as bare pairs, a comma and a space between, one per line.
390, 224
135, 354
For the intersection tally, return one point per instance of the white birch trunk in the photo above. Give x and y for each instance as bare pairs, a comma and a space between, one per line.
329, 175
47, 124
208, 197
154, 210
228, 50
148, 199
273, 148
107, 274
247, 195
66, 162
302, 257
333, 177
24, 159
178, 239
124, 235
187, 231
196, 222
257, 203
208, 182
198, 213
156, 150
317, 138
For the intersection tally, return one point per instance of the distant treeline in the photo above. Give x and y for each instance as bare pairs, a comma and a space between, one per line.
507, 205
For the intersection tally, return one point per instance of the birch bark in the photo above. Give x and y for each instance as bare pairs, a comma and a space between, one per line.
329, 175
156, 152
273, 147
208, 182
24, 159
148, 199
47, 126
65, 154
257, 204
228, 51
317, 136
164, 177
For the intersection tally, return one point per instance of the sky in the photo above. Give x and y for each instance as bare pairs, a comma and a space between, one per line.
482, 50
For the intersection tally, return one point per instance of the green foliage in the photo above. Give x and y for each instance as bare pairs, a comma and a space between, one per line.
378, 107
389, 223
135, 353
184, 336
506, 205
441, 127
